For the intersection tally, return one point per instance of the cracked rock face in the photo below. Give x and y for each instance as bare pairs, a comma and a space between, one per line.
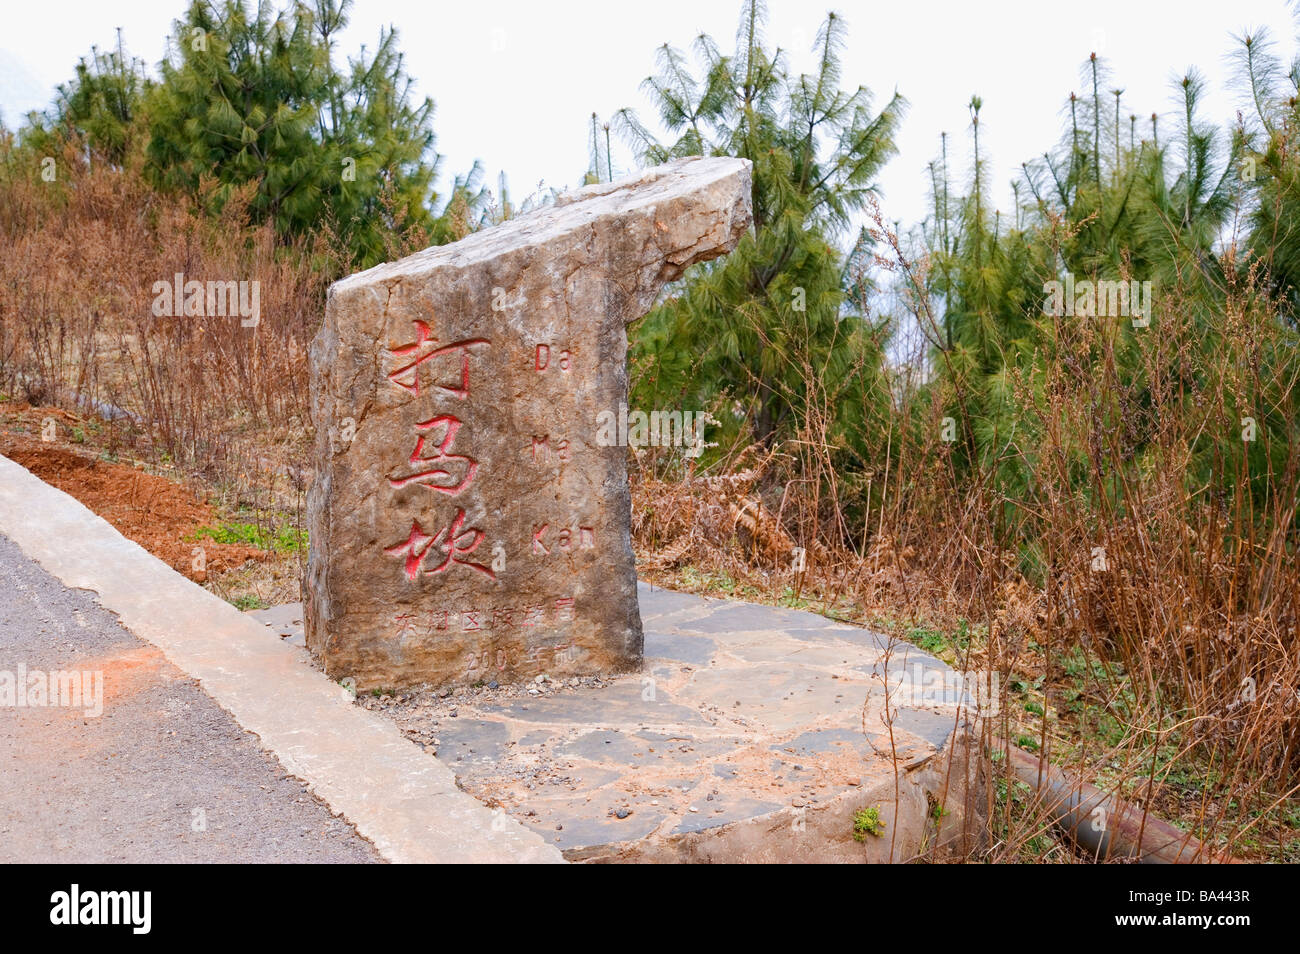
470, 519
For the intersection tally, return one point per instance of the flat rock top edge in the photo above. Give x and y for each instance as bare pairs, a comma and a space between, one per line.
570, 211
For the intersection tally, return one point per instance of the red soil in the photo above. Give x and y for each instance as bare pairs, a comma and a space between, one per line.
160, 514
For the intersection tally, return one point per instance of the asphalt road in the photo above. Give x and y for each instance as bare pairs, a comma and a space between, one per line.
163, 774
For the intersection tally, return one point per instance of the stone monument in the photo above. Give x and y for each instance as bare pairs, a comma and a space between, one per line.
465, 523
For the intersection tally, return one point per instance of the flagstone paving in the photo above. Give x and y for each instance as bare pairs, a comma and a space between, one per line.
745, 719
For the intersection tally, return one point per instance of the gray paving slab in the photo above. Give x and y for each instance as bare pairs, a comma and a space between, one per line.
743, 713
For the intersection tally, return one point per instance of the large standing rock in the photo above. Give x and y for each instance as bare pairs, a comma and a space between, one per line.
465, 523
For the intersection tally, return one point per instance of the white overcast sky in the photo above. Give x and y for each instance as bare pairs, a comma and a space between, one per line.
515, 81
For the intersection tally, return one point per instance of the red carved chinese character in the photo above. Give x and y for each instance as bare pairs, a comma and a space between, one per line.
564, 608
533, 615
450, 540
427, 474
406, 626
424, 348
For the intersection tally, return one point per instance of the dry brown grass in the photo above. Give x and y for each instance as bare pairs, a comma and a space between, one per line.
77, 330
1168, 670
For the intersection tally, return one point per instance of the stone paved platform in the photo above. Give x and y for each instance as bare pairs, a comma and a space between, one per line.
753, 734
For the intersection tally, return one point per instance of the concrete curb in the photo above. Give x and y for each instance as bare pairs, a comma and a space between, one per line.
404, 801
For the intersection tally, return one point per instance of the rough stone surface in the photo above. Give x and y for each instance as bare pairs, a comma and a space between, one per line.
466, 524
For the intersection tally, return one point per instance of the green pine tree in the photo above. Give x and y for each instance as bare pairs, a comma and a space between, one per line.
771, 329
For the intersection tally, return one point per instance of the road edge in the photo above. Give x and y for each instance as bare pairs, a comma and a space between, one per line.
403, 800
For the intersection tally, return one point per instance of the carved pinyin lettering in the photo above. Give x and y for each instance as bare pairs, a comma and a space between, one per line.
564, 539
542, 358
543, 450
